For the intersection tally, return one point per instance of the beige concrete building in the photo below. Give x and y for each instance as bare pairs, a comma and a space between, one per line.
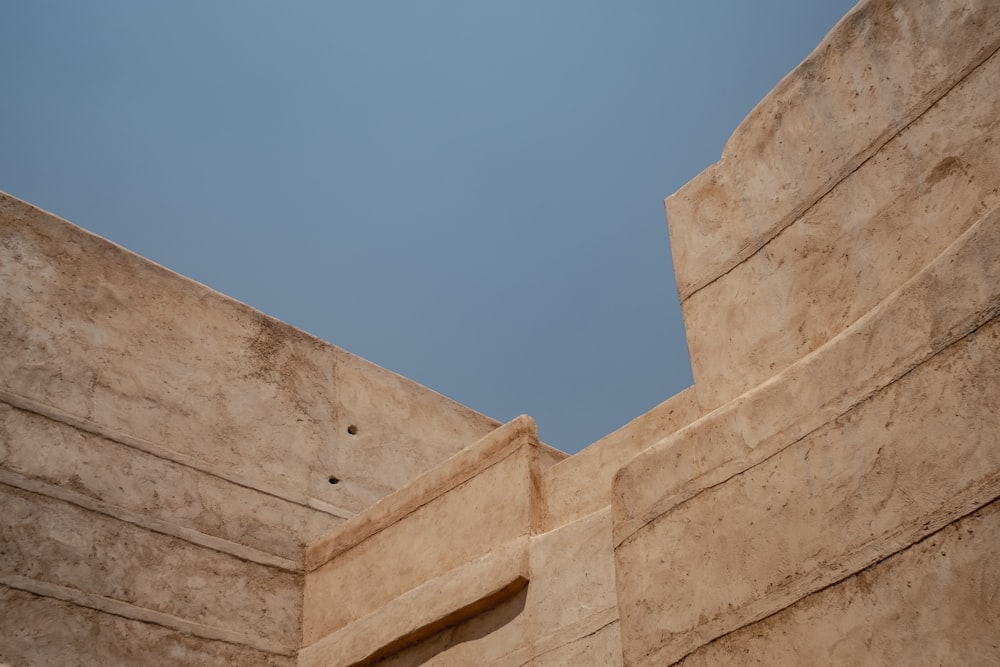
186, 481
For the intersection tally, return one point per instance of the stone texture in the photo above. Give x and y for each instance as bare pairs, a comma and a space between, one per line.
883, 223
582, 483
825, 494
121, 476
867, 484
37, 630
446, 527
939, 597
58, 543
883, 65
137, 350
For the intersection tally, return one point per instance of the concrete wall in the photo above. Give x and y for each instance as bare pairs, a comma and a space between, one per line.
858, 169
826, 493
166, 453
840, 276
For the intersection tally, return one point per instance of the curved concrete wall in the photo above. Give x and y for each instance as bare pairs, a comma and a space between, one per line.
856, 171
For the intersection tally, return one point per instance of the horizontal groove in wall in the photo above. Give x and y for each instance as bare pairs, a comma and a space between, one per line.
753, 246
560, 637
783, 594
967, 509
715, 468
150, 523
142, 614
56, 414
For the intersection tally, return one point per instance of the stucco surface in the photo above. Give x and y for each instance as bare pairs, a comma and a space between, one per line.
486, 639
581, 484
167, 452
881, 67
886, 220
187, 481
954, 295
569, 571
55, 542
939, 597
120, 476
118, 342
454, 526
874, 480
41, 630
572, 575
601, 647
465, 592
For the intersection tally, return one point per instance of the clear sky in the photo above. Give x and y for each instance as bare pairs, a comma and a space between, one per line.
467, 193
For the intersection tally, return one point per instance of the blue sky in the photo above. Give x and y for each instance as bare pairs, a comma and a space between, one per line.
467, 193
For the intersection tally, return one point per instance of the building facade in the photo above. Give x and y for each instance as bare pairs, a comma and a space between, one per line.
186, 481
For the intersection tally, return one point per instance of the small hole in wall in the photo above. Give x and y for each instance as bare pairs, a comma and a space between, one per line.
334, 480
352, 429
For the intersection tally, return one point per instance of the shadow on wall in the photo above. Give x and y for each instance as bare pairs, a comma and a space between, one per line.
473, 629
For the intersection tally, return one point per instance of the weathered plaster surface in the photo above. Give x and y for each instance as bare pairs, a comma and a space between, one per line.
129, 348
886, 220
955, 295
939, 597
166, 452
54, 542
874, 480
582, 483
442, 530
131, 480
879, 69
826, 493
44, 630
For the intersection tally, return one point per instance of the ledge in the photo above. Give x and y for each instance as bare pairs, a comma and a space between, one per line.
953, 295
452, 472
444, 601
